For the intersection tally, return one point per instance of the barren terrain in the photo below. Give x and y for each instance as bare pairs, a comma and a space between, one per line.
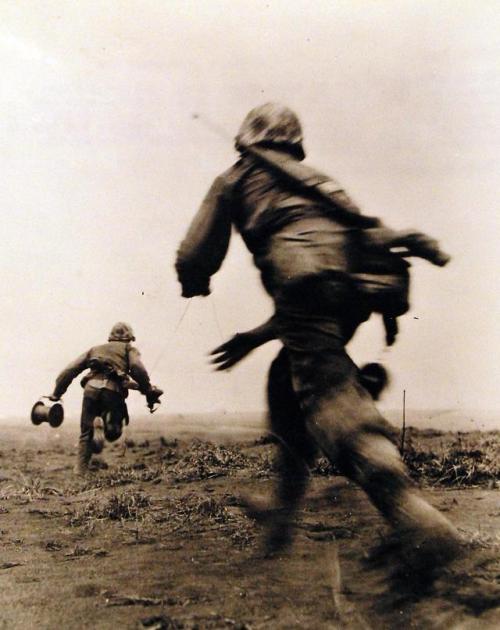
159, 538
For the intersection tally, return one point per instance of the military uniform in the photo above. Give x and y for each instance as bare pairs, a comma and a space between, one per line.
110, 365
306, 237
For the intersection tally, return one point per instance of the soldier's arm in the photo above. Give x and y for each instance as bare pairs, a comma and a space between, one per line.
239, 346
344, 208
391, 329
70, 372
141, 377
203, 249
413, 243
129, 383
137, 371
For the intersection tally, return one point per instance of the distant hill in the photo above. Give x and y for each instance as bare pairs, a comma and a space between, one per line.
251, 423
247, 425
447, 419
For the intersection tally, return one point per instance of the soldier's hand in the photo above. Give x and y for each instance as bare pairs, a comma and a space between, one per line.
416, 243
153, 397
196, 287
54, 398
423, 246
233, 351
391, 329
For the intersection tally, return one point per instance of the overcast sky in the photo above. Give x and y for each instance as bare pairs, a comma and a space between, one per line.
103, 166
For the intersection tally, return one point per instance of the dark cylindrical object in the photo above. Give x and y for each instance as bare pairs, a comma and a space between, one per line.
49, 411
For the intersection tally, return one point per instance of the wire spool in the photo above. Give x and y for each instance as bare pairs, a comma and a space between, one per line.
49, 411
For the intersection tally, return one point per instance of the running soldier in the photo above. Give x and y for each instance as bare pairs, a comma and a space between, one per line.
115, 367
314, 249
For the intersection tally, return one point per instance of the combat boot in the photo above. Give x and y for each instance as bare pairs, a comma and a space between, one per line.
279, 535
83, 458
275, 519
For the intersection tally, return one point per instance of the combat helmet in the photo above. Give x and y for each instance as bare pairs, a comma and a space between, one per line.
271, 124
121, 332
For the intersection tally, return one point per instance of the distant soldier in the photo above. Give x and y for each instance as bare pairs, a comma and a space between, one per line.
314, 250
112, 366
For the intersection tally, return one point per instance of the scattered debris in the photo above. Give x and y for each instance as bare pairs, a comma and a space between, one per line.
161, 622
123, 476
112, 599
45, 513
78, 552
28, 488
116, 507
10, 565
52, 545
214, 620
206, 460
193, 510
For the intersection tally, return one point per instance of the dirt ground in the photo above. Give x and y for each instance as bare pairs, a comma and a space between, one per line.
159, 539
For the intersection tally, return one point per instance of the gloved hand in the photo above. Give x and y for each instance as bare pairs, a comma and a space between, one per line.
231, 352
54, 398
426, 247
196, 287
153, 398
416, 243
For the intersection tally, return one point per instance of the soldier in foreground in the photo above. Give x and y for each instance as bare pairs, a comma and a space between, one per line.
112, 366
384, 291
314, 249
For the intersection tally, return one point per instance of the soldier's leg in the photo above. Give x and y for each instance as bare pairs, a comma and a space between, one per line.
114, 414
89, 412
98, 439
296, 449
374, 463
346, 424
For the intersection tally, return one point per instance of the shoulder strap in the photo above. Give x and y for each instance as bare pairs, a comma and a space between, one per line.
314, 182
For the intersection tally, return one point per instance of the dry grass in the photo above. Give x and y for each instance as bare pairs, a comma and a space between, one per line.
466, 459
470, 459
123, 476
434, 458
193, 512
28, 489
115, 507
205, 460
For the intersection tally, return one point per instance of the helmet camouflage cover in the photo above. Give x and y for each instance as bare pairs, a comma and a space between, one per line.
121, 332
270, 124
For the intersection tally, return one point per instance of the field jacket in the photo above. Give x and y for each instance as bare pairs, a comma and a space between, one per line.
259, 201
109, 365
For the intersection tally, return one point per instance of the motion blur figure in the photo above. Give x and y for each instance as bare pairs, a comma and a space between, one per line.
297, 450
111, 366
325, 265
